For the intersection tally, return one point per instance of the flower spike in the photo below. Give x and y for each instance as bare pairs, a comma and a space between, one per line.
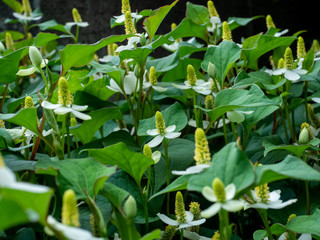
201, 153
160, 124
153, 76
180, 209
64, 93
270, 23
26, 8
191, 75
288, 58
28, 102
128, 24
76, 16
212, 10
301, 48
70, 214
125, 6
226, 32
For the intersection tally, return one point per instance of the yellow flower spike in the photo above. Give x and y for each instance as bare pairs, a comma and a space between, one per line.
281, 63
147, 151
191, 75
313, 117
73, 122
292, 216
114, 47
160, 124
226, 32
180, 212
26, 8
194, 208
301, 48
70, 213
128, 24
2, 125
110, 49
153, 76
216, 236
212, 10
173, 26
201, 153
125, 6
315, 45
9, 41
76, 16
209, 102
28, 102
169, 232
63, 92
270, 23
263, 192
288, 59
218, 189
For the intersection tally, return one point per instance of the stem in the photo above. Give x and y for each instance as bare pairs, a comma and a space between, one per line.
68, 133
77, 34
235, 135
306, 184
181, 234
4, 96
224, 128
145, 208
44, 79
63, 131
264, 216
305, 90
196, 110
167, 164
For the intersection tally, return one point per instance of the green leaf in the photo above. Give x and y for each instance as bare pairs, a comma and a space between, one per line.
223, 57
78, 55
84, 176
9, 65
114, 194
197, 13
290, 167
53, 25
153, 22
231, 165
42, 39
14, 5
187, 28
173, 115
155, 234
88, 128
306, 224
135, 164
254, 47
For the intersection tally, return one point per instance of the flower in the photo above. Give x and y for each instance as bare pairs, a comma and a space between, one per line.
237, 116
264, 199
65, 103
222, 196
155, 156
37, 62
152, 81
129, 84
121, 18
184, 218
303, 236
161, 132
77, 20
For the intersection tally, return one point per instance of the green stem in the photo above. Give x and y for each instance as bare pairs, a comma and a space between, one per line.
68, 134
181, 234
306, 184
167, 165
264, 216
77, 34
224, 129
145, 208
4, 96
45, 80
305, 90
235, 135
63, 131
196, 110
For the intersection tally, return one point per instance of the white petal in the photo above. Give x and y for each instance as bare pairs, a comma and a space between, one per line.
283, 236
44, 63
317, 100
256, 205
279, 71
211, 211
49, 105
291, 75
167, 220
114, 86
159, 89
300, 71
153, 132
129, 83
156, 155
156, 141
274, 195
183, 87
233, 205
172, 135
119, 19
208, 193
197, 222
230, 191
80, 115
192, 123
7, 177
62, 110
171, 128
28, 187
202, 90
189, 216
192, 170
305, 236
281, 205
27, 71
79, 108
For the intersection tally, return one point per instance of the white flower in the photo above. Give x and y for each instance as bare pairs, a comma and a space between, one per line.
80, 24
303, 236
121, 18
61, 109
147, 84
194, 236
237, 116
23, 17
169, 133
129, 84
290, 74
188, 223
201, 86
213, 195
132, 43
215, 23
192, 170
31, 70
71, 233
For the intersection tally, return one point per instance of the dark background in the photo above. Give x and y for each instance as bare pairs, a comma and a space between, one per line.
287, 14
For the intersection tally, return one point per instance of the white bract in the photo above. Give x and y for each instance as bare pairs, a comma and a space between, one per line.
229, 204
188, 223
132, 43
129, 84
61, 109
32, 69
201, 86
303, 236
192, 170
290, 74
215, 23
169, 133
121, 18
80, 24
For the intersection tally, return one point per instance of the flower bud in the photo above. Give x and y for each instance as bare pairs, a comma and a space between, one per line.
73, 122
235, 116
211, 70
130, 207
270, 23
280, 63
173, 26
216, 236
76, 16
136, 70
9, 41
147, 151
143, 40
304, 136
315, 45
2, 48
35, 56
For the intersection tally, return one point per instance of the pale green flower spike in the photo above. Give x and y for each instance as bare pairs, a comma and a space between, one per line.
316, 45
2, 124
160, 124
194, 208
130, 207
28, 102
169, 232
301, 48
155, 156
216, 236
110, 50
201, 153
70, 212
281, 63
125, 6
263, 192
73, 122
209, 102
226, 32
191, 75
305, 133
153, 76
292, 216
212, 10
288, 59
2, 164
63, 92
76, 16
152, 80
128, 24
270, 23
26, 8
9, 41
173, 26
180, 209
223, 198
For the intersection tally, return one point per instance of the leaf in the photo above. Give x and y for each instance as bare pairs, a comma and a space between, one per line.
173, 115
14, 5
83, 175
306, 224
42, 39
290, 167
114, 194
197, 13
230, 165
223, 57
53, 25
153, 22
16, 163
88, 128
78, 55
135, 164
187, 28
155, 234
